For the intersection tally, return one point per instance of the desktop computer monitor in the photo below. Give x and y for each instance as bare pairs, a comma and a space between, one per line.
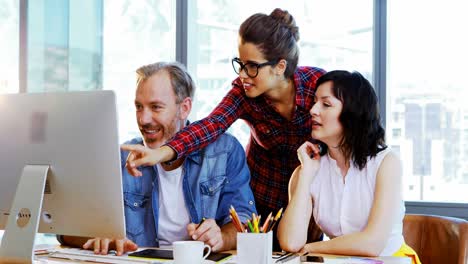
72, 138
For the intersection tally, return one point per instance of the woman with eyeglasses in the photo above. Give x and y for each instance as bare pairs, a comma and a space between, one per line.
272, 94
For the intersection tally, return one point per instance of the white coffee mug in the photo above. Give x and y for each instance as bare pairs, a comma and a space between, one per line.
190, 252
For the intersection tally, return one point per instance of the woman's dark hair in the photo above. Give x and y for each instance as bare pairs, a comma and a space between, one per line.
363, 134
275, 35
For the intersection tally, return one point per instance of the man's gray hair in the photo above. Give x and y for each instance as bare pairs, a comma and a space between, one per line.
181, 81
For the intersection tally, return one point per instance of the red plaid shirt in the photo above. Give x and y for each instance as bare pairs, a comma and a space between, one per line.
271, 152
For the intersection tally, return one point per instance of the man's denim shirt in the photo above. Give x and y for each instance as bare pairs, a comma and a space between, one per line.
214, 178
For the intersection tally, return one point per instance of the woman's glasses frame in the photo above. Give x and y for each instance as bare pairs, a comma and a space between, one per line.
239, 66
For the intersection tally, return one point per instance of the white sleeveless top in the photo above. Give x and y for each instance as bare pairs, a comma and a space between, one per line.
342, 208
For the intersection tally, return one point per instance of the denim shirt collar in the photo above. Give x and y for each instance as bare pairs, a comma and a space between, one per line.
196, 156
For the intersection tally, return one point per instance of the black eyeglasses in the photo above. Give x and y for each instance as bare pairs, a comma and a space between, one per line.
250, 68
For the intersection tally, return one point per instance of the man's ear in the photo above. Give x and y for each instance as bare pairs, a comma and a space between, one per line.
280, 67
185, 108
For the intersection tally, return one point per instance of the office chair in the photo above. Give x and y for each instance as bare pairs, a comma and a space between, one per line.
437, 239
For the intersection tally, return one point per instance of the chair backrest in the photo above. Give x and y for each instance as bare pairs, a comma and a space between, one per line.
437, 239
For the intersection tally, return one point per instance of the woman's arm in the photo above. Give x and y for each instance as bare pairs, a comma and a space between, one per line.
292, 229
385, 208
200, 133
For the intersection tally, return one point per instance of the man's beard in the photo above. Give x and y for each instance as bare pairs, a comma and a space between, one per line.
168, 133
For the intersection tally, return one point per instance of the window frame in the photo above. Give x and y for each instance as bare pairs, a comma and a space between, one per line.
380, 83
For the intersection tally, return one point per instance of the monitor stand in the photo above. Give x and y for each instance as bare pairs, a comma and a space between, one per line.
23, 222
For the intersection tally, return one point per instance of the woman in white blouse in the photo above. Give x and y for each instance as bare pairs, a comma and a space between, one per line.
354, 190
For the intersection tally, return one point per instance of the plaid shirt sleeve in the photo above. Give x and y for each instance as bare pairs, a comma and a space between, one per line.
199, 134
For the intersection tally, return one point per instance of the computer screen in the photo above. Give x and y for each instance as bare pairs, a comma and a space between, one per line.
73, 134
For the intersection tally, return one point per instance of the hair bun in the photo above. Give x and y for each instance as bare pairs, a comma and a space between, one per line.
287, 20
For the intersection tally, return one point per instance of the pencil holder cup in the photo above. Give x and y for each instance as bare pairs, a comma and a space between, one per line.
254, 248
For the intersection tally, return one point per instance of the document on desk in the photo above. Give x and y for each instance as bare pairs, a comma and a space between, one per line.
88, 255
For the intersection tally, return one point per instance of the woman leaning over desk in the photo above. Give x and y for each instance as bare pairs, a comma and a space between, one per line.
272, 94
354, 191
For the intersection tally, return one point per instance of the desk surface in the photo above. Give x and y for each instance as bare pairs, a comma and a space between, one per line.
387, 260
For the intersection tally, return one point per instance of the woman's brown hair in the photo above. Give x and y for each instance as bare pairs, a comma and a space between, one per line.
276, 36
